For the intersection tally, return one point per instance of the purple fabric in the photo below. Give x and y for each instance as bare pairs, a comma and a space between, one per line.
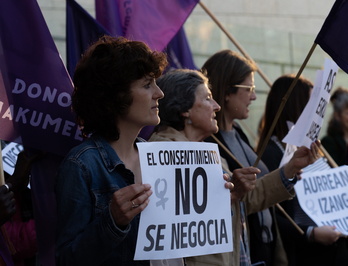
333, 36
44, 203
151, 21
179, 52
81, 30
35, 87
4, 252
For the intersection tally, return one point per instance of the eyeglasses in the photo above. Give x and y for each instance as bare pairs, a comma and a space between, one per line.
250, 89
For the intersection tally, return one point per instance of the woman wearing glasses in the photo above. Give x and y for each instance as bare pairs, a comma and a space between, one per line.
232, 84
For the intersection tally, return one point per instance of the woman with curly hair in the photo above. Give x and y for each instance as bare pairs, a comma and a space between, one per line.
99, 190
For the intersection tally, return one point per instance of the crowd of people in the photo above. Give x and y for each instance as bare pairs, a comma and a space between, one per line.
122, 86
319, 245
18, 240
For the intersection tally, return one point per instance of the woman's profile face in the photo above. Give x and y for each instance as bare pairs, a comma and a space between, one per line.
236, 106
202, 113
144, 108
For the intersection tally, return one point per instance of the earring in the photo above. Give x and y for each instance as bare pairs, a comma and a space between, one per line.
188, 121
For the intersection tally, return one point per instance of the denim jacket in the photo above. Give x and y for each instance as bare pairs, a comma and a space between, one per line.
86, 232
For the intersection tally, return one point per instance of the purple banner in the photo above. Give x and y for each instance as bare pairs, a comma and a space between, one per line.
81, 30
179, 52
35, 86
151, 21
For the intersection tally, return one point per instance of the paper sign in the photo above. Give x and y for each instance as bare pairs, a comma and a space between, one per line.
308, 126
9, 156
323, 195
189, 213
288, 153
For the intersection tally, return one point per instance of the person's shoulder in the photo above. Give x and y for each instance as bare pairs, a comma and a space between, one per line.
326, 137
212, 138
330, 140
85, 148
158, 137
168, 134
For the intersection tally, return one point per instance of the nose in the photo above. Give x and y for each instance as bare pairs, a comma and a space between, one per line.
253, 96
158, 94
216, 106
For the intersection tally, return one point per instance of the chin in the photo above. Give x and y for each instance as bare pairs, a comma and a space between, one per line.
154, 122
214, 130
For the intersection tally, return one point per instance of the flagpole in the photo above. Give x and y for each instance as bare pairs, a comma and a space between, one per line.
277, 204
240, 48
282, 104
331, 161
235, 42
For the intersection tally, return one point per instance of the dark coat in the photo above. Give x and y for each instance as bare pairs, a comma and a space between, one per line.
337, 148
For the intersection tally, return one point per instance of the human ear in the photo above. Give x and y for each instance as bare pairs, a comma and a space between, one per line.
186, 114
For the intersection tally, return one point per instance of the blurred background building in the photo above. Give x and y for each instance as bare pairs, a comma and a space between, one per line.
276, 34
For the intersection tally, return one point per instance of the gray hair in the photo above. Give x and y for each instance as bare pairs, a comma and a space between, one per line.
179, 87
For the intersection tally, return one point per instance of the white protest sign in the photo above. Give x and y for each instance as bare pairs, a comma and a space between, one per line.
189, 213
289, 149
307, 127
288, 153
323, 195
9, 156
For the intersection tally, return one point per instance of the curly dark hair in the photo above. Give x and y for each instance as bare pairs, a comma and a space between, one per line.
102, 82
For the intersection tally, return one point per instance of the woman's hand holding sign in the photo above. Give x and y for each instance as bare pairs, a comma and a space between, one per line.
127, 202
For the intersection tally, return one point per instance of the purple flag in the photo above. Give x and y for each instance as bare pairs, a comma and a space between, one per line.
179, 52
151, 21
35, 87
81, 30
35, 110
333, 36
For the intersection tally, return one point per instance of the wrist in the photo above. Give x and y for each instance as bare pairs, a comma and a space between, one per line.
312, 235
289, 171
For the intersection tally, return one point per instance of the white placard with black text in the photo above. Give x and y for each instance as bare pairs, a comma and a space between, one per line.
308, 126
323, 195
189, 213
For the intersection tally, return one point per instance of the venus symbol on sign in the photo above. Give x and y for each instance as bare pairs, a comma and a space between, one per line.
161, 193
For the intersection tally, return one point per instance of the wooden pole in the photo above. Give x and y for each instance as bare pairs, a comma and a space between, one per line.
331, 161
277, 204
240, 48
235, 42
282, 104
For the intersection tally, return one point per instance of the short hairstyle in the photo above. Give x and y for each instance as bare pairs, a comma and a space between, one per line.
293, 108
179, 87
225, 69
102, 82
339, 100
